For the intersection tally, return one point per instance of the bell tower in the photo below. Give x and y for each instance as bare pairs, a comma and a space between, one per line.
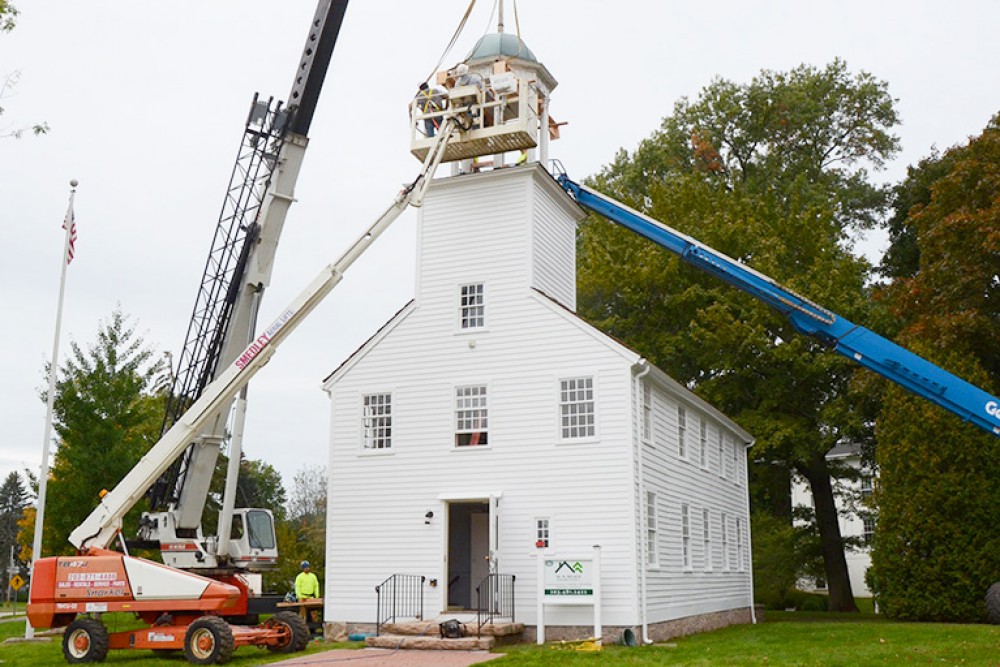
499, 96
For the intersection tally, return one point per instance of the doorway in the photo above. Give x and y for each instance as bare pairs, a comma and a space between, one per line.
468, 551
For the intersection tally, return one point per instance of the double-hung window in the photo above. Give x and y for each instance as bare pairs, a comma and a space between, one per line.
703, 444
577, 415
543, 532
652, 557
682, 419
376, 421
726, 556
471, 416
472, 306
686, 535
647, 413
706, 537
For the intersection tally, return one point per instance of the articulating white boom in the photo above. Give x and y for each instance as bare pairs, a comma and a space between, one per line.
101, 526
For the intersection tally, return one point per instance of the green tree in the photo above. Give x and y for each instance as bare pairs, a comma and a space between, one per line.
775, 174
8, 19
258, 485
302, 534
8, 16
13, 501
105, 418
936, 540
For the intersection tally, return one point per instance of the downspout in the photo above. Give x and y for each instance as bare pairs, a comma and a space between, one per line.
643, 556
746, 499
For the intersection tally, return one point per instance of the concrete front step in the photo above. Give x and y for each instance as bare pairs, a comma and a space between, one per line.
430, 628
430, 642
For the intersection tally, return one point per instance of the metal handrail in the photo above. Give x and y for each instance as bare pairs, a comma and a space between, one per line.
399, 596
494, 600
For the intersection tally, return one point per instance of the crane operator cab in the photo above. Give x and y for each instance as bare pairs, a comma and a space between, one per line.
252, 544
498, 98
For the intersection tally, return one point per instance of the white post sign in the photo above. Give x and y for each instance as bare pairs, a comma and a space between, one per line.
569, 580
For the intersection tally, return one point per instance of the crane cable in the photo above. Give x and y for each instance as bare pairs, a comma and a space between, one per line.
454, 38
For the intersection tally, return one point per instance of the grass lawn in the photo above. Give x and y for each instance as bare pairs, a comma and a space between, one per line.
793, 638
49, 654
787, 638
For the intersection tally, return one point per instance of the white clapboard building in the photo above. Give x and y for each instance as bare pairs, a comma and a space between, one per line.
487, 426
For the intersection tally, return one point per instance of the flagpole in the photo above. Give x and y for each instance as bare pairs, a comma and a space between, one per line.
43, 478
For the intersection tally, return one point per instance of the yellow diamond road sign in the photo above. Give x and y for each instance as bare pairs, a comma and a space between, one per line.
16, 582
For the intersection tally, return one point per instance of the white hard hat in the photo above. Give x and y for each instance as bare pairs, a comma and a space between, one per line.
462, 69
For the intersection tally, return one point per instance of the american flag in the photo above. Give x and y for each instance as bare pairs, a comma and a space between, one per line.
70, 220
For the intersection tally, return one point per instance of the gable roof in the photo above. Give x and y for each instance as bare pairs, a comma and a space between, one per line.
379, 334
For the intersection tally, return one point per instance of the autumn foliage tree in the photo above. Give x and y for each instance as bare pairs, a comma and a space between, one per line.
937, 543
775, 174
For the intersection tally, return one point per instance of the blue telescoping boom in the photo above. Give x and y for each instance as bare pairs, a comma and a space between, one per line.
849, 339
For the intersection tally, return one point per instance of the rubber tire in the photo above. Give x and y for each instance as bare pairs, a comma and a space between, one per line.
993, 604
298, 627
91, 631
218, 632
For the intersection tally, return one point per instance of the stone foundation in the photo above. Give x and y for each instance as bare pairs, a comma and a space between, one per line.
658, 632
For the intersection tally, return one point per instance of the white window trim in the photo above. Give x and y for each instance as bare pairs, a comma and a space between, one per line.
377, 451
597, 423
458, 312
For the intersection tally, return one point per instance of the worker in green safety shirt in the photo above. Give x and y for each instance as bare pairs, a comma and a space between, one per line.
306, 583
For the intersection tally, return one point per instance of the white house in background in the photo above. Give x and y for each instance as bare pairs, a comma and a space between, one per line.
855, 518
486, 426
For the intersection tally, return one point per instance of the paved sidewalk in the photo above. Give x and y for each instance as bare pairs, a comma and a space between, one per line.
383, 657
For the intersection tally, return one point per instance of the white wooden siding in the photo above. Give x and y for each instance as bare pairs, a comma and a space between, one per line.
553, 250
673, 592
378, 503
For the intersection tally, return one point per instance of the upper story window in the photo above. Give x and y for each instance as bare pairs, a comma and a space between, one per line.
868, 533
376, 421
472, 306
647, 413
471, 414
576, 408
682, 419
866, 485
703, 444
722, 453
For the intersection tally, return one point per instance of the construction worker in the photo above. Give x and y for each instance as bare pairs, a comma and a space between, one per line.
430, 100
463, 77
306, 583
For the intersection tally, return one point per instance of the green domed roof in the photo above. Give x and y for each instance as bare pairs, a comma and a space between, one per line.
501, 44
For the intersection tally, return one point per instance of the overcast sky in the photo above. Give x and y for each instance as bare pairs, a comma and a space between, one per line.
147, 102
